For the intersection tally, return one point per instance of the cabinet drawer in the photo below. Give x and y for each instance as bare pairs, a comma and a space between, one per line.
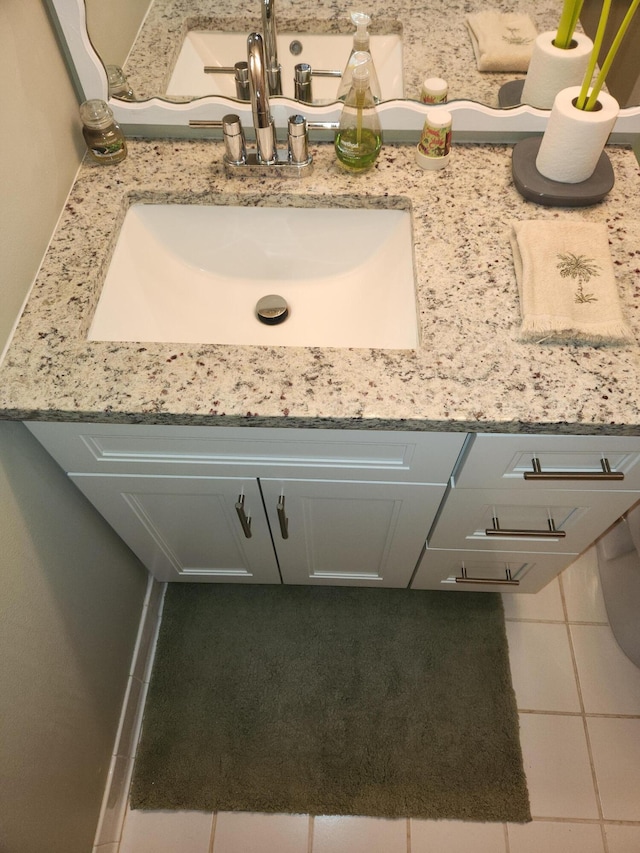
357, 454
575, 462
477, 571
526, 520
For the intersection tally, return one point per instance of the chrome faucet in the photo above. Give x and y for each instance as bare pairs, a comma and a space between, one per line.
259, 95
296, 159
274, 76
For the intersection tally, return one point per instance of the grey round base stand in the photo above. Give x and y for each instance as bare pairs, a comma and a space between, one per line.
535, 187
509, 94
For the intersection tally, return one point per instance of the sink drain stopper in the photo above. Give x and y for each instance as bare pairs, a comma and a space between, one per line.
272, 309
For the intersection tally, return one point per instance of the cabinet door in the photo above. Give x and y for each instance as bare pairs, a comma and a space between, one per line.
346, 533
188, 528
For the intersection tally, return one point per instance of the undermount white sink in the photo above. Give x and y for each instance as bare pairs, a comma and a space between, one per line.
194, 274
324, 52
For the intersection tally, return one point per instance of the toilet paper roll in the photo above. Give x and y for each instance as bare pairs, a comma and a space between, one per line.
574, 139
552, 69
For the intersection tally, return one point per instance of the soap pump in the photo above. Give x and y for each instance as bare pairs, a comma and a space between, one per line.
359, 136
360, 44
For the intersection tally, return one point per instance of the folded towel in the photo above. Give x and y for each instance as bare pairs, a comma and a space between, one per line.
501, 42
566, 283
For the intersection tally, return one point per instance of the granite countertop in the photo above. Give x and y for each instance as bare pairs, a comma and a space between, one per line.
470, 372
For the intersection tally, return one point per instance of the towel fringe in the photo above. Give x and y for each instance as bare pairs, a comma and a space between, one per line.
540, 329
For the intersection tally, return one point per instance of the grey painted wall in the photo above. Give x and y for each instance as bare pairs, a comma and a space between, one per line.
72, 593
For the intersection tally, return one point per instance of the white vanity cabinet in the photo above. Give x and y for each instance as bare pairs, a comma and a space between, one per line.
262, 505
522, 507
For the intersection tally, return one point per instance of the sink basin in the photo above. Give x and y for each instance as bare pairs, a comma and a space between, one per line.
326, 52
194, 274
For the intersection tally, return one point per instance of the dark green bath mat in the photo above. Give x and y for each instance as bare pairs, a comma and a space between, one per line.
314, 700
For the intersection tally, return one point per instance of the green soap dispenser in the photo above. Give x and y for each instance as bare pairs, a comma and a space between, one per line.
361, 40
359, 136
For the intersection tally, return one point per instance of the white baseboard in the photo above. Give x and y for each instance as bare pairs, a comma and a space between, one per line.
114, 801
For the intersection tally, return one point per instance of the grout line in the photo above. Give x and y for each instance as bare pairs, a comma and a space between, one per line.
590, 821
214, 821
585, 727
563, 599
596, 624
408, 835
588, 715
310, 834
507, 845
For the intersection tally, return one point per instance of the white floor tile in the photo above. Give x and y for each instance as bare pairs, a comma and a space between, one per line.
615, 745
552, 837
623, 839
244, 832
455, 836
359, 835
546, 604
609, 681
556, 763
582, 591
541, 667
166, 832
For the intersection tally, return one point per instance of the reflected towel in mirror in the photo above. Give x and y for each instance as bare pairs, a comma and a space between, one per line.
566, 283
501, 42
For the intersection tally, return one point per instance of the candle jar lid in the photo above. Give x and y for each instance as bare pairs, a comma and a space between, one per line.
434, 90
95, 113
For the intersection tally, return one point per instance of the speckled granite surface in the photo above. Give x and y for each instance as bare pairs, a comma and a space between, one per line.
469, 373
434, 36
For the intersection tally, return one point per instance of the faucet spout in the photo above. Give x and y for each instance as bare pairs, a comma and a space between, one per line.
259, 94
271, 46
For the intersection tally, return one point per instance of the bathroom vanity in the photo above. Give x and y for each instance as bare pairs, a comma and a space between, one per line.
382, 467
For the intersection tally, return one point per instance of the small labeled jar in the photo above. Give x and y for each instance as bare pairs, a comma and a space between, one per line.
434, 91
435, 142
104, 138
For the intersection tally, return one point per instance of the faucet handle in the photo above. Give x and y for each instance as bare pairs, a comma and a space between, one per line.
235, 150
241, 77
302, 82
298, 140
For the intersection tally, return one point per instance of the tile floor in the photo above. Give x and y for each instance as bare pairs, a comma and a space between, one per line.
579, 702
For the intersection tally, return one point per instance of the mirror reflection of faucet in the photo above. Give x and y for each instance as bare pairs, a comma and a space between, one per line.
270, 35
273, 71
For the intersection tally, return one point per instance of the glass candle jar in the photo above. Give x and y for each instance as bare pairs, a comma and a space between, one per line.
104, 138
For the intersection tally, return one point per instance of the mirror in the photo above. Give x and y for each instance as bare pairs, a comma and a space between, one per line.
146, 37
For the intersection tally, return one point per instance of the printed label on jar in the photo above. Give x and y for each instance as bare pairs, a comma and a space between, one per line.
435, 141
432, 97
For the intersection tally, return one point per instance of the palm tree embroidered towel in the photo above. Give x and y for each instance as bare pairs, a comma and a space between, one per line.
566, 283
501, 41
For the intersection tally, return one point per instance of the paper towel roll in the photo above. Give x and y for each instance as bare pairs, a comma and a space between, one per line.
574, 139
552, 69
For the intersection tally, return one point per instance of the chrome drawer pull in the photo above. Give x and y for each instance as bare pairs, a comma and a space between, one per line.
551, 533
245, 520
508, 581
605, 474
282, 518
